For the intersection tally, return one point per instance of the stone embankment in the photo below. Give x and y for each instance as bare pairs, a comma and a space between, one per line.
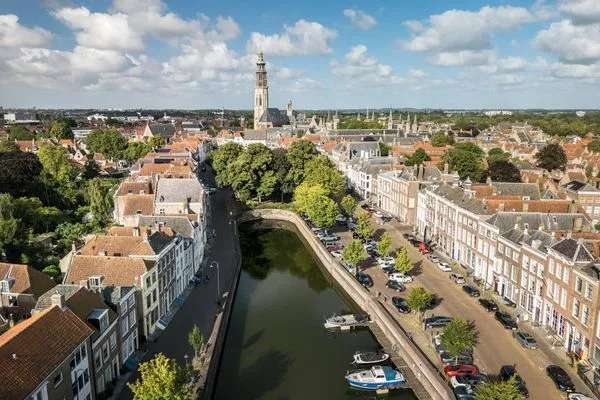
431, 384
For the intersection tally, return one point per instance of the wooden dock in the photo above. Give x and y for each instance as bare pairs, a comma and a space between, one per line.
409, 374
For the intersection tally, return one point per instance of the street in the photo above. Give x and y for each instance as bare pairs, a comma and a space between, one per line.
200, 307
496, 345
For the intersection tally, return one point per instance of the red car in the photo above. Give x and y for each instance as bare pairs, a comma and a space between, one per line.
423, 248
460, 370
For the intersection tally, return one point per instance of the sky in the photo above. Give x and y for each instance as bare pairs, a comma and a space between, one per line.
320, 54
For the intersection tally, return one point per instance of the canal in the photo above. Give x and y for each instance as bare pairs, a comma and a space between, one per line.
276, 347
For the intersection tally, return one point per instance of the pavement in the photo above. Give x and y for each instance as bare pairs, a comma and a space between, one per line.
496, 345
200, 307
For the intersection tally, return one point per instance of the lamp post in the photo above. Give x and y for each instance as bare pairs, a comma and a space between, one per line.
215, 264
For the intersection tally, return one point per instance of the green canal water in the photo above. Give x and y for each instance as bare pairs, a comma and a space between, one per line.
276, 346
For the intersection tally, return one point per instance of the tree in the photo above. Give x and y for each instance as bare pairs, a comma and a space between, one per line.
466, 161
281, 168
136, 150
363, 225
321, 171
354, 253
384, 149
196, 340
503, 171
19, 172
439, 139
417, 158
161, 379
551, 157
55, 162
499, 390
459, 336
323, 211
298, 155
402, 261
305, 196
99, 195
156, 142
267, 185
497, 154
60, 129
91, 169
8, 146
222, 158
384, 245
348, 205
53, 271
594, 146
419, 299
18, 132
8, 224
247, 171
108, 142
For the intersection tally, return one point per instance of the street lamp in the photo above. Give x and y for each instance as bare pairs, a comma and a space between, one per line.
215, 264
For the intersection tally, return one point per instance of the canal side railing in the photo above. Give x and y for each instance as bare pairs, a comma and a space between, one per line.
427, 374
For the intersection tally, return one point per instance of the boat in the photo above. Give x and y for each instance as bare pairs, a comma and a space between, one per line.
578, 396
346, 321
376, 378
370, 357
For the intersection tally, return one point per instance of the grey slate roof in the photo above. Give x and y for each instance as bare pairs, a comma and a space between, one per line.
175, 190
458, 196
275, 116
517, 189
255, 135
573, 250
549, 222
158, 241
180, 225
519, 235
576, 186
164, 130
45, 301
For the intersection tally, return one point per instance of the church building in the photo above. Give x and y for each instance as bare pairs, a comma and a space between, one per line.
265, 117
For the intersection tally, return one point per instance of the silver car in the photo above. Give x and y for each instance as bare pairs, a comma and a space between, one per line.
525, 339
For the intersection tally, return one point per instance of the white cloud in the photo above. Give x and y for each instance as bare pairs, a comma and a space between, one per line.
359, 19
575, 71
100, 30
13, 34
302, 38
359, 64
459, 38
504, 65
578, 44
581, 11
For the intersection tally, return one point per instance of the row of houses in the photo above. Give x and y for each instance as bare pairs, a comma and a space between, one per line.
120, 288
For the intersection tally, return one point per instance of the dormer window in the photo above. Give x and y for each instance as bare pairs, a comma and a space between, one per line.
6, 284
95, 281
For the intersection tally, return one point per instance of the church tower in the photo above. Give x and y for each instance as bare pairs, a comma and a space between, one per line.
261, 90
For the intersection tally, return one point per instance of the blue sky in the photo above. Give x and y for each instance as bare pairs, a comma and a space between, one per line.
320, 54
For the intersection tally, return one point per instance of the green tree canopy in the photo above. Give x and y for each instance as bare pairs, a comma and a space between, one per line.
18, 132
8, 146
353, 123
161, 379
251, 176
221, 160
91, 169
8, 223
298, 154
55, 162
551, 157
384, 245
99, 195
363, 225
321, 171
323, 212
281, 168
348, 205
156, 142
402, 261
60, 129
499, 390
196, 339
439, 139
467, 160
384, 149
594, 146
108, 142
497, 154
19, 172
459, 336
419, 299
417, 158
503, 171
305, 196
136, 150
354, 253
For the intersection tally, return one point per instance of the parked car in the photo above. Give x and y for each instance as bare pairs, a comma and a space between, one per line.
489, 305
341, 219
444, 267
423, 248
456, 278
509, 302
336, 254
463, 392
506, 320
334, 247
389, 269
434, 259
525, 339
383, 261
460, 370
398, 277
446, 358
438, 321
408, 236
508, 371
397, 286
470, 380
330, 238
560, 378
401, 305
364, 279
471, 291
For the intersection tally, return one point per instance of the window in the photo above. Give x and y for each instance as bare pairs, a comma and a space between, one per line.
578, 284
575, 310
588, 291
113, 341
105, 351
565, 276
551, 266
57, 379
98, 360
132, 318
585, 316
563, 298
124, 326
148, 301
131, 301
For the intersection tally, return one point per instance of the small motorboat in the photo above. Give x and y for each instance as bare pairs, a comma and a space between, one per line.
376, 378
346, 321
370, 357
578, 396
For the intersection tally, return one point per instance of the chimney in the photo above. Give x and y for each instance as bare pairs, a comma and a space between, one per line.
136, 231
57, 299
577, 224
446, 168
525, 205
573, 207
501, 206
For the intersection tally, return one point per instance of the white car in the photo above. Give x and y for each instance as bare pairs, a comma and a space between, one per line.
336, 254
444, 267
398, 277
383, 261
378, 214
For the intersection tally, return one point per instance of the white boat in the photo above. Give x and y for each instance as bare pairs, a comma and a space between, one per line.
370, 357
345, 321
578, 396
376, 378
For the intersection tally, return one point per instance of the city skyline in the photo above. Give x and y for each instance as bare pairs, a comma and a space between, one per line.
156, 54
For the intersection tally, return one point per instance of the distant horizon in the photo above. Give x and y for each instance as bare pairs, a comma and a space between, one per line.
154, 54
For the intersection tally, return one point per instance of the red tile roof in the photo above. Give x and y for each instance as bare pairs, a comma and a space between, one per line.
27, 280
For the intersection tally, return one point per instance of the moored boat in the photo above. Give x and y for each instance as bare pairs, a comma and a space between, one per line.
346, 321
370, 357
578, 396
376, 378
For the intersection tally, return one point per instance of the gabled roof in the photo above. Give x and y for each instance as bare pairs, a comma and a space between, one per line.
137, 204
32, 349
164, 130
573, 250
178, 190
464, 200
178, 224
134, 187
117, 246
116, 271
27, 280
